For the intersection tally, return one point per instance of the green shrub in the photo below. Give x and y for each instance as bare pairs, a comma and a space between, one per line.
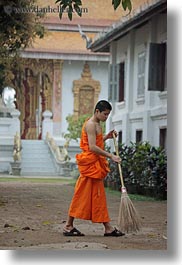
144, 169
75, 126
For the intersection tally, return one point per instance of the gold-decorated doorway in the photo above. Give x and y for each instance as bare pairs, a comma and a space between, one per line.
34, 96
86, 92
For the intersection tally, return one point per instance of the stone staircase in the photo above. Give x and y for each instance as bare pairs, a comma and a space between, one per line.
37, 159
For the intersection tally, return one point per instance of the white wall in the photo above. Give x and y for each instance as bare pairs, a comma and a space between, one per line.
150, 112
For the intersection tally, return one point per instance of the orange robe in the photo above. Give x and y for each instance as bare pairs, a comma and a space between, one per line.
89, 199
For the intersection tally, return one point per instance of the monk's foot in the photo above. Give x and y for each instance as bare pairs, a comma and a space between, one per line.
72, 232
68, 228
108, 228
114, 233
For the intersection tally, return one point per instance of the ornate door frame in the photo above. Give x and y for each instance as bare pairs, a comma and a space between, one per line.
88, 87
34, 95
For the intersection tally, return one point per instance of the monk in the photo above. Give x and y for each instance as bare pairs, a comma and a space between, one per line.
89, 199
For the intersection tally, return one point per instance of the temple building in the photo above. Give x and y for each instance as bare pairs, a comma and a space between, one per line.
138, 74
104, 54
60, 74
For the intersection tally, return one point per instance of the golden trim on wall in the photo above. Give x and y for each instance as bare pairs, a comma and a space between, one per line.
86, 92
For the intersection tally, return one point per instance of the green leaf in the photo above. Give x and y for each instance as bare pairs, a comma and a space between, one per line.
60, 15
124, 4
78, 2
70, 12
116, 3
127, 5
77, 10
65, 2
79, 13
70, 15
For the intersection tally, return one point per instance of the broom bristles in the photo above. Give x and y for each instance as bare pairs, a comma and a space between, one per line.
128, 219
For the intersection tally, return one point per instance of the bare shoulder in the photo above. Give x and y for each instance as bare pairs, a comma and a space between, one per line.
90, 127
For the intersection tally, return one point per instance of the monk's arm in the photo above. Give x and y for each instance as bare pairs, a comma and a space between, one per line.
105, 137
91, 133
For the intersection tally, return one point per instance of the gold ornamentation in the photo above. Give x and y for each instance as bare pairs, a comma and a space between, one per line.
86, 92
38, 76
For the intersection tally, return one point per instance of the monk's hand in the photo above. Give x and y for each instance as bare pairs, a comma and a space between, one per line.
115, 158
110, 134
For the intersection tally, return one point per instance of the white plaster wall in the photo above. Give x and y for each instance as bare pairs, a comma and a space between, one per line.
134, 126
121, 48
150, 113
157, 124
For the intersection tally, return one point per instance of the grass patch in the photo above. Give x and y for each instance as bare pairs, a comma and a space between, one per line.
133, 197
37, 180
137, 197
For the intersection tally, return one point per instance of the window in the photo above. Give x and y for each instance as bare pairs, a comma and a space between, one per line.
141, 74
139, 135
157, 67
121, 81
163, 138
165, 70
113, 82
120, 136
116, 82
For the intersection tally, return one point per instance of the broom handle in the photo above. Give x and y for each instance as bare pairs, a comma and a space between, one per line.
119, 165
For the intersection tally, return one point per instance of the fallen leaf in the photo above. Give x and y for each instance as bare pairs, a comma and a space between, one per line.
16, 230
46, 222
151, 235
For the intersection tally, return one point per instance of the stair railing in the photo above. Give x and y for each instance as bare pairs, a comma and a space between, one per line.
16, 164
61, 157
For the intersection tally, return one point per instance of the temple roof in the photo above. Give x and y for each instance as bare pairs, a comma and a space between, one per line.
122, 27
61, 41
63, 37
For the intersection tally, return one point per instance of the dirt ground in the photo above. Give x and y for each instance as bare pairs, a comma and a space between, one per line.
32, 216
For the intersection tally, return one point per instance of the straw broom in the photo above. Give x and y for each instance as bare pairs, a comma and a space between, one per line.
128, 219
